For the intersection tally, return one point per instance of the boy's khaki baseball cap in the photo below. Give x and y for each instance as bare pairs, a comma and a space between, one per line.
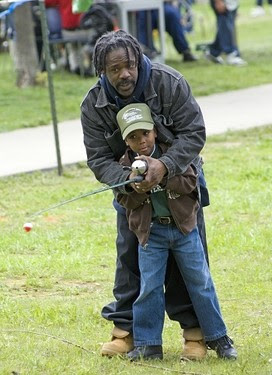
133, 117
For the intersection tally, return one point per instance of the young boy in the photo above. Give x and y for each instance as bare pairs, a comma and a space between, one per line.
164, 219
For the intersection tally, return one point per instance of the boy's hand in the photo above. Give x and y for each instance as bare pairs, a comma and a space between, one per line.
133, 185
155, 173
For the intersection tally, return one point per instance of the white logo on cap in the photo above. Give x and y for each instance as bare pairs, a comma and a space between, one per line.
132, 114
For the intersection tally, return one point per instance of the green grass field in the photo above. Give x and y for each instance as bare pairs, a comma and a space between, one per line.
30, 107
55, 279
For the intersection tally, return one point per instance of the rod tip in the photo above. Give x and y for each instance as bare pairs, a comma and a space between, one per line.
27, 227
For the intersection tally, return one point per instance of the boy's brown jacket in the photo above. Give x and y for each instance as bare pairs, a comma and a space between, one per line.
182, 199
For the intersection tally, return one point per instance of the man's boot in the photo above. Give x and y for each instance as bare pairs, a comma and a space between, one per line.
121, 343
194, 346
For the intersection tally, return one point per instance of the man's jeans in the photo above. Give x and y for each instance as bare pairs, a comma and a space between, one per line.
225, 40
148, 309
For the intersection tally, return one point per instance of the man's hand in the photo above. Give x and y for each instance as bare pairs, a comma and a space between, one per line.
155, 172
220, 6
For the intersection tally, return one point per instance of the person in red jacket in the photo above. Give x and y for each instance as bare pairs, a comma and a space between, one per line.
70, 29
69, 20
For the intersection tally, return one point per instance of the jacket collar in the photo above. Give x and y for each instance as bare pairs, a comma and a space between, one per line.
103, 100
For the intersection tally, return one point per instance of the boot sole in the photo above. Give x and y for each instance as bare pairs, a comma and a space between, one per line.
112, 353
192, 358
146, 358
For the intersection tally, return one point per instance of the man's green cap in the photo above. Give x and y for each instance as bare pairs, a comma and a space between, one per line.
133, 117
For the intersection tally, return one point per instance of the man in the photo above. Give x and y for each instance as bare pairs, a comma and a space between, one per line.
127, 76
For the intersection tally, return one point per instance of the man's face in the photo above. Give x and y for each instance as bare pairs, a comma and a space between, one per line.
141, 141
121, 73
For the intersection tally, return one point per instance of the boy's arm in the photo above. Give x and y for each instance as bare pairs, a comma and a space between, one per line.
183, 184
131, 200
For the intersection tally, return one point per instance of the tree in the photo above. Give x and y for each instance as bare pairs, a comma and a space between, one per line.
24, 50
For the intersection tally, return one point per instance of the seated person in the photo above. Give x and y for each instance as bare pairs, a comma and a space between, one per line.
173, 26
70, 29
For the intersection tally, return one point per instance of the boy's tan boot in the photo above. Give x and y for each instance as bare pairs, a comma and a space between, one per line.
121, 343
194, 345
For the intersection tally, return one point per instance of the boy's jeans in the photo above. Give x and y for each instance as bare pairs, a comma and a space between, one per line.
148, 309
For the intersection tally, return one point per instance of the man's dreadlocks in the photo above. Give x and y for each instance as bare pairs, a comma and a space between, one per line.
111, 41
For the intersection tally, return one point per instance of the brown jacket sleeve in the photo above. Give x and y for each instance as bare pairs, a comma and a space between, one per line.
131, 200
183, 184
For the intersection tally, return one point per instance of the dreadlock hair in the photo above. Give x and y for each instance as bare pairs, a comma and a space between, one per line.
111, 41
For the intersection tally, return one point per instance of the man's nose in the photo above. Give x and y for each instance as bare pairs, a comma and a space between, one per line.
124, 74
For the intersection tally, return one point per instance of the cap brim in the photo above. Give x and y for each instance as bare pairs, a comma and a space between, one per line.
140, 125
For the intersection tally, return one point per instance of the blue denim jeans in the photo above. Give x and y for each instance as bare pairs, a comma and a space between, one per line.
173, 27
148, 309
225, 40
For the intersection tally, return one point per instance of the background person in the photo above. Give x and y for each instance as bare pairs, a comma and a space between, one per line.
173, 26
225, 40
259, 9
70, 29
127, 76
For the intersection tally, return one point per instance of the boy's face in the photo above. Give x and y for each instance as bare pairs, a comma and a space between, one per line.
142, 141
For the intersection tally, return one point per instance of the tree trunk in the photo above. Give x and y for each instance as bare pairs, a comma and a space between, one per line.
24, 50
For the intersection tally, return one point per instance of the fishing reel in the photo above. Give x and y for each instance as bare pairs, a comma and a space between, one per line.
139, 167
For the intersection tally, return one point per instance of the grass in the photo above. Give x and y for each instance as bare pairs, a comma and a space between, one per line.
55, 279
30, 107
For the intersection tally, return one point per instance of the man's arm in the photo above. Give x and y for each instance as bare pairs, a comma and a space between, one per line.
188, 128
103, 142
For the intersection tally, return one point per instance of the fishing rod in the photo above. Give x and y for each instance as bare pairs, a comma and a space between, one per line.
139, 167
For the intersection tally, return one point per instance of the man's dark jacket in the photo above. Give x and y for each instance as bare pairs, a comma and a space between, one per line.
176, 114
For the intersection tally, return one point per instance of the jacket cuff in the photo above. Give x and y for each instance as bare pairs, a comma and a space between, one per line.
170, 166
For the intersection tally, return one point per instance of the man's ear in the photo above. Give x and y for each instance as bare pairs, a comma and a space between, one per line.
155, 131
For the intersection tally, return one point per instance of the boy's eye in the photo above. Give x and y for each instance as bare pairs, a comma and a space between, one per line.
131, 137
